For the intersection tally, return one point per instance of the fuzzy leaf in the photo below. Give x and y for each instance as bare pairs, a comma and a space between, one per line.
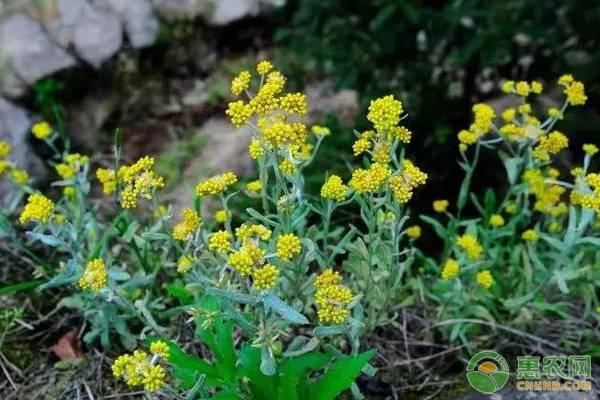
283, 309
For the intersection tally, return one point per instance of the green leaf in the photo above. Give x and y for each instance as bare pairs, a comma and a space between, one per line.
340, 377
262, 386
437, 227
233, 296
48, 240
296, 370
19, 287
283, 309
512, 166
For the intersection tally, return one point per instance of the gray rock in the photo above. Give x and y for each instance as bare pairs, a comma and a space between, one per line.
323, 100
141, 25
175, 9
95, 33
28, 51
14, 128
224, 12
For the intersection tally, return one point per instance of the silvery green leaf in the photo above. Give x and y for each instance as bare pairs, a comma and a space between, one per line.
589, 240
233, 296
557, 244
155, 236
560, 281
71, 302
48, 240
283, 309
69, 275
267, 362
512, 165
255, 214
118, 275
330, 330
309, 345
131, 229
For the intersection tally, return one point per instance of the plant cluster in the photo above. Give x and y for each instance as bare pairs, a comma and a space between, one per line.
282, 294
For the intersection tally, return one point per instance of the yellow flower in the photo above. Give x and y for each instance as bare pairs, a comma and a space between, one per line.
255, 149
288, 246
39, 208
334, 189
243, 260
331, 298
530, 235
154, 378
321, 131
371, 179
508, 86
451, 269
385, 112
241, 82
20, 176
160, 348
554, 227
565, 80
402, 133
138, 178
576, 94
524, 108
5, 149
440, 206
95, 276
522, 88
69, 192
287, 166
264, 67
216, 185
190, 223
246, 232
108, 179
509, 114
471, 246
485, 278
265, 101
239, 113
294, 103
184, 264
467, 137
220, 242
65, 171
265, 277
496, 220
536, 87
414, 232
360, 146
221, 216
42, 130
254, 186
555, 113
590, 149
549, 145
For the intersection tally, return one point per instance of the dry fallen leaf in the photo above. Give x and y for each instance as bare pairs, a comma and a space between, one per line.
67, 348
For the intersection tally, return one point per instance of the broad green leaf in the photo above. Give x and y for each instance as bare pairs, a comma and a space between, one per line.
340, 377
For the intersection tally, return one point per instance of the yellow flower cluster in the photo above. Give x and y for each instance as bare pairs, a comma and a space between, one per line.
288, 246
574, 90
39, 208
590, 149
384, 113
414, 231
255, 149
549, 145
138, 369
590, 197
160, 348
496, 220
440, 206
371, 179
410, 178
483, 117
331, 298
254, 186
190, 222
246, 258
265, 277
184, 264
95, 276
522, 88
42, 130
248, 232
19, 176
485, 278
334, 189
547, 195
70, 166
138, 179
241, 82
5, 149
530, 235
216, 185
220, 242
451, 269
221, 216
319, 130
471, 246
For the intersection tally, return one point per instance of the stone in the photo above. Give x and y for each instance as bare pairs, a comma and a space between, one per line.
323, 100
95, 33
28, 51
224, 12
137, 16
181, 9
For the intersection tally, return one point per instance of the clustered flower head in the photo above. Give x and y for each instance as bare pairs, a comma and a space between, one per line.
216, 185
483, 117
574, 90
190, 222
334, 189
288, 246
471, 246
222, 216
496, 220
42, 130
485, 278
587, 192
140, 369
138, 180
414, 231
547, 195
220, 242
440, 206
332, 298
39, 208
265, 277
550, 145
530, 235
95, 276
19, 176
451, 269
